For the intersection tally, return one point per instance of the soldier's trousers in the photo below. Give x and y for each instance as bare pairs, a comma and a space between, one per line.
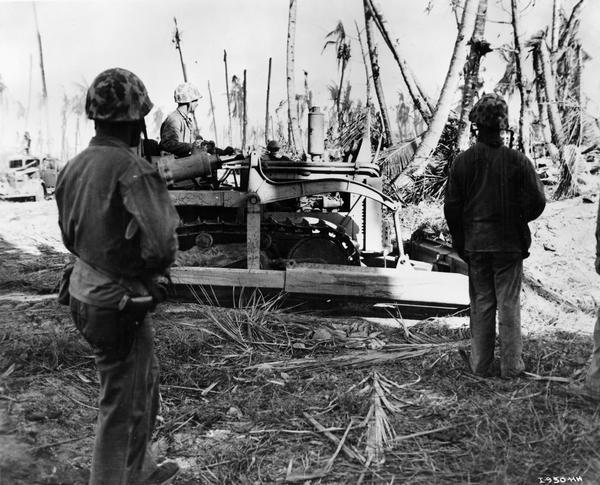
128, 402
592, 378
495, 287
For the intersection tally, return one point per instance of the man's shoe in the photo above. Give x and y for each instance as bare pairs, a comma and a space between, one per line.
581, 390
164, 473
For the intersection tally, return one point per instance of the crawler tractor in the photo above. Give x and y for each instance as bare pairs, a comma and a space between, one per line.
316, 229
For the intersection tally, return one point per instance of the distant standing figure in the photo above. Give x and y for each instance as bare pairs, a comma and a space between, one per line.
116, 216
492, 193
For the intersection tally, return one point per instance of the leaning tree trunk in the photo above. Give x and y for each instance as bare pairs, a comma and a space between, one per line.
550, 87
479, 47
570, 27
373, 55
434, 132
524, 121
421, 103
295, 141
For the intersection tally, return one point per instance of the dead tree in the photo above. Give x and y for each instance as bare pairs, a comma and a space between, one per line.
524, 122
550, 88
440, 118
267, 103
423, 105
542, 104
294, 127
479, 48
373, 56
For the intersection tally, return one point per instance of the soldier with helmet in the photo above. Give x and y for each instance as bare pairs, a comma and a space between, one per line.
493, 192
117, 218
179, 133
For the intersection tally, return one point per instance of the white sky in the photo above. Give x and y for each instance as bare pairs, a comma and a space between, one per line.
82, 38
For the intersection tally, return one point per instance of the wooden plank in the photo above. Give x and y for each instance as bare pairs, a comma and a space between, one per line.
253, 235
384, 283
248, 278
208, 198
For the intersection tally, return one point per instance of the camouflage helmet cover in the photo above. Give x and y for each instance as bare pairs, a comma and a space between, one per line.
117, 95
491, 111
186, 93
273, 145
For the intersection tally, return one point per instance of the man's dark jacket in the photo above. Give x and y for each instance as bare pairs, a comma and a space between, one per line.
492, 193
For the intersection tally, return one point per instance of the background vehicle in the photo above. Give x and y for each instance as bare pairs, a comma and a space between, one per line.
28, 177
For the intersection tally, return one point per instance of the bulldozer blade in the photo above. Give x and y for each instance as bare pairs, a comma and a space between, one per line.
443, 293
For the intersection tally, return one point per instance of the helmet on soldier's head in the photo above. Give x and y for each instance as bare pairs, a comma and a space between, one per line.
117, 95
491, 111
186, 93
273, 146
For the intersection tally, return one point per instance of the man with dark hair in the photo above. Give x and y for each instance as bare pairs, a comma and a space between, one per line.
116, 217
492, 193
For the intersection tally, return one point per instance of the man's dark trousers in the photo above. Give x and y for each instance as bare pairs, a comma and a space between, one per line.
495, 285
129, 394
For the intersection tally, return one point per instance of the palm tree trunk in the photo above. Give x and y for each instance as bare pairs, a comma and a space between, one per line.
367, 132
420, 102
212, 110
245, 114
540, 93
432, 136
373, 55
228, 99
267, 103
550, 87
555, 29
339, 96
477, 51
524, 121
295, 142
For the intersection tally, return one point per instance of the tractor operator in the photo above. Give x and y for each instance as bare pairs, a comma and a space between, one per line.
117, 218
492, 193
179, 132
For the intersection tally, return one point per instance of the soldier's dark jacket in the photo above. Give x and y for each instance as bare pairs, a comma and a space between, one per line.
116, 216
178, 133
492, 193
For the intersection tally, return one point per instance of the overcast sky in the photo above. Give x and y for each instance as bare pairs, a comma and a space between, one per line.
82, 38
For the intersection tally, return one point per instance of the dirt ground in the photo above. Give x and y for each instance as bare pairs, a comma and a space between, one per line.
307, 398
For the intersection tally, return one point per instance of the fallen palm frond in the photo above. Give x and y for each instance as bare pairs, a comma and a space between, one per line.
356, 360
394, 160
429, 186
350, 452
254, 323
258, 322
380, 433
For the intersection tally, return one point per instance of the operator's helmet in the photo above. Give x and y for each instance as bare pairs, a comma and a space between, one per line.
491, 111
186, 93
273, 146
117, 95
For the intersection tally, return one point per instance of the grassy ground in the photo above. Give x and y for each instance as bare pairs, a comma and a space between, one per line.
258, 396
